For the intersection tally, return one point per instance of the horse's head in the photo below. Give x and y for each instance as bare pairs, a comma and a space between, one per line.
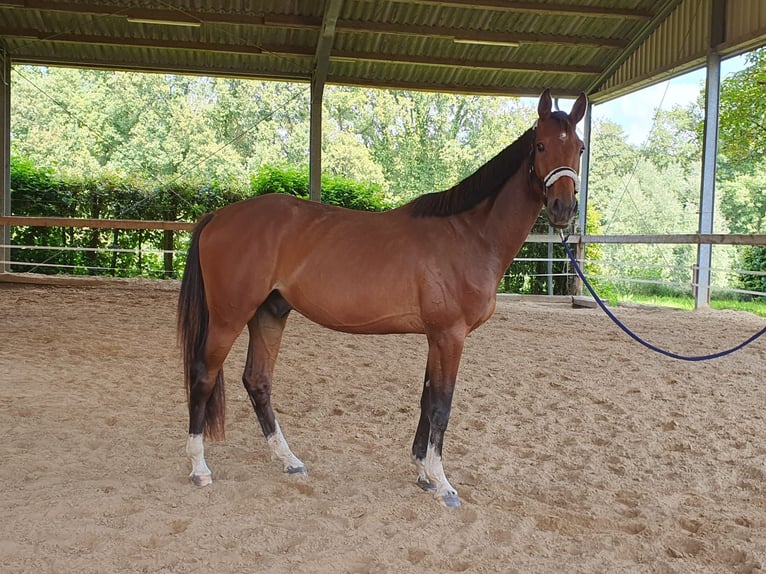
556, 158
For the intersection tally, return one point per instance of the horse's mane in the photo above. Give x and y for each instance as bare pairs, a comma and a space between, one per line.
483, 183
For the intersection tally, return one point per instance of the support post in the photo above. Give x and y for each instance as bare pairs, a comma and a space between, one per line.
315, 142
582, 219
318, 79
5, 157
709, 155
550, 261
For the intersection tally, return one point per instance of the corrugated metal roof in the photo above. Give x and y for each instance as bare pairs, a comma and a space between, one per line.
474, 46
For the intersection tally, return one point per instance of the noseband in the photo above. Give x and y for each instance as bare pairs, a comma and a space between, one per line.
557, 173
553, 176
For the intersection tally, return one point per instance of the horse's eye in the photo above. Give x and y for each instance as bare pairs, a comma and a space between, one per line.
540, 147
582, 150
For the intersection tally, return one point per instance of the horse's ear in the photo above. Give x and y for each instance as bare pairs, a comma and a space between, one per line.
578, 109
544, 107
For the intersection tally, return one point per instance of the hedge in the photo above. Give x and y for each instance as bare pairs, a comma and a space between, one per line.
39, 191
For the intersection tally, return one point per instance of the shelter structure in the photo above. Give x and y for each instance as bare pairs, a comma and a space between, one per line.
605, 48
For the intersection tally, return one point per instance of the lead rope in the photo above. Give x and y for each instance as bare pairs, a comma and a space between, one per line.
635, 337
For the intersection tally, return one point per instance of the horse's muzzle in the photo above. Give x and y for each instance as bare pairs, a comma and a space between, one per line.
560, 212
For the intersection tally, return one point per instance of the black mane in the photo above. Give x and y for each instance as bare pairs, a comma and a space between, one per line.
483, 183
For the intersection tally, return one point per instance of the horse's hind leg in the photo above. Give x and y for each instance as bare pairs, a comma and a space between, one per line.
266, 329
207, 400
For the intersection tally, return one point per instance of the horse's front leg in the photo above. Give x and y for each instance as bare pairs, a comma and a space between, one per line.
420, 444
436, 402
265, 337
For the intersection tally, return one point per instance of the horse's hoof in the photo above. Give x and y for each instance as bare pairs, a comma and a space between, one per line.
301, 470
450, 501
426, 485
201, 480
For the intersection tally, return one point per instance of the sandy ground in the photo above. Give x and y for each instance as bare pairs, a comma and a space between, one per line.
573, 449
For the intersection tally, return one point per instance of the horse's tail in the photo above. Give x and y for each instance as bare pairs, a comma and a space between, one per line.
192, 334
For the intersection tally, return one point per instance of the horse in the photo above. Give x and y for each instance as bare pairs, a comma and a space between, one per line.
430, 267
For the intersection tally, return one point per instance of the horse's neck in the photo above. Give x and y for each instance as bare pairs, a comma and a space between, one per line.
512, 217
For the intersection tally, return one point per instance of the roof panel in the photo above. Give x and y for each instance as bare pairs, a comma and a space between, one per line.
475, 46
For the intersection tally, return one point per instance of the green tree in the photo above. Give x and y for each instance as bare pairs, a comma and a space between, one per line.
425, 142
264, 122
742, 132
676, 138
86, 121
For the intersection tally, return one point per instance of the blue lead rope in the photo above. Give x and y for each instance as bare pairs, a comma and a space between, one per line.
638, 339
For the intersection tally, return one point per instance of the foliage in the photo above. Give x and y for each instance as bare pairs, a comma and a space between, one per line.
336, 190
648, 196
742, 132
39, 192
90, 143
753, 258
676, 138
743, 201
741, 184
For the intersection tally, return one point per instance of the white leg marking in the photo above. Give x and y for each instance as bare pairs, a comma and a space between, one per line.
423, 481
291, 463
420, 465
434, 472
195, 450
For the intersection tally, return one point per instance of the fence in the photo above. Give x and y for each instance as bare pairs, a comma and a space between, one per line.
170, 227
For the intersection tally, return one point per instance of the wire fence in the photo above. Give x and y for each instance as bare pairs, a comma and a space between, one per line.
611, 274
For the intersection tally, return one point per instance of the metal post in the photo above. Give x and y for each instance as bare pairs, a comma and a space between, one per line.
585, 169
709, 155
550, 260
5, 157
315, 142
582, 220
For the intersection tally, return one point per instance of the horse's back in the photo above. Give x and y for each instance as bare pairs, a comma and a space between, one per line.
349, 270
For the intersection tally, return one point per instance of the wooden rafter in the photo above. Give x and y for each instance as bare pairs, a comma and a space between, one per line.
297, 52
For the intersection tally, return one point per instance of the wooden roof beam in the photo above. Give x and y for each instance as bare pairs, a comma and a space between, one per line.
447, 88
308, 22
292, 51
170, 13
505, 65
477, 36
318, 79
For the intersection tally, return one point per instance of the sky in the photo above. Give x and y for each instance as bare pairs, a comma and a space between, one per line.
635, 112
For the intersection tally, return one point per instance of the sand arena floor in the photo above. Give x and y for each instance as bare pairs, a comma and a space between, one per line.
573, 449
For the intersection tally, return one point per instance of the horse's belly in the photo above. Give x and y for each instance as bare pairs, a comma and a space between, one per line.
356, 309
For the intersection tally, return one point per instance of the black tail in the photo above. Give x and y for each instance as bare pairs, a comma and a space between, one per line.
192, 334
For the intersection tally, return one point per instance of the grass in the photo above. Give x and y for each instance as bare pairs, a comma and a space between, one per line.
757, 307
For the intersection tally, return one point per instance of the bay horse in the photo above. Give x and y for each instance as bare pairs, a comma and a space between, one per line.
431, 267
